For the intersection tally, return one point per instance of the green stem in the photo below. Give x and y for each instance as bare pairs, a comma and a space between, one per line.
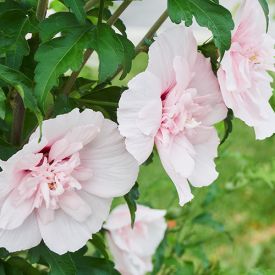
100, 13
150, 34
99, 103
140, 47
69, 85
41, 10
90, 4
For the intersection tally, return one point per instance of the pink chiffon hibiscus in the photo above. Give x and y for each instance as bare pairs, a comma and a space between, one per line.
243, 76
133, 248
60, 189
174, 104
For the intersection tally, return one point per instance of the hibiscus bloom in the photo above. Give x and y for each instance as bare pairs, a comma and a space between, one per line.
60, 189
243, 77
174, 104
133, 248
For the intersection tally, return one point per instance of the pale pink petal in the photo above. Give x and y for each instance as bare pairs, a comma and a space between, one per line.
64, 233
128, 263
57, 128
23, 237
136, 120
133, 248
177, 41
100, 210
180, 182
14, 212
208, 90
73, 205
247, 28
206, 151
114, 169
179, 154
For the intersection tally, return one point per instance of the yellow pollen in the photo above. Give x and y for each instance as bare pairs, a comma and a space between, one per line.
52, 185
253, 58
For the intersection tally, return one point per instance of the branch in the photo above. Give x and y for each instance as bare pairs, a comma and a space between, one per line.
41, 10
141, 45
150, 34
18, 105
69, 85
90, 4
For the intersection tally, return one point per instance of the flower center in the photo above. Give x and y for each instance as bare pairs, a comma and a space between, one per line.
177, 113
49, 179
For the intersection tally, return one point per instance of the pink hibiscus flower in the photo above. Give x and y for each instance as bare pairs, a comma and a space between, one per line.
133, 248
60, 190
174, 104
243, 77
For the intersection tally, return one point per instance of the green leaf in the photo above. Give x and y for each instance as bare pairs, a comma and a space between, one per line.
3, 252
89, 265
265, 8
57, 56
207, 219
228, 126
114, 51
77, 7
2, 104
22, 266
59, 264
131, 199
23, 85
57, 22
106, 15
8, 5
210, 50
98, 242
15, 25
208, 14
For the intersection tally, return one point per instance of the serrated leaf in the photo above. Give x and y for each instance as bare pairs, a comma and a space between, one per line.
208, 14
23, 85
131, 199
57, 56
265, 8
59, 264
12, 37
113, 49
57, 22
106, 15
77, 7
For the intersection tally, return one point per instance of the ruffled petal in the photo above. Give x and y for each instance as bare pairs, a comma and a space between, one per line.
177, 41
180, 181
139, 115
206, 150
23, 237
114, 169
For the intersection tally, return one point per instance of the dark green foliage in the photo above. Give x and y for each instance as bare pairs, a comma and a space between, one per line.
228, 126
114, 50
208, 14
77, 7
131, 199
265, 8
